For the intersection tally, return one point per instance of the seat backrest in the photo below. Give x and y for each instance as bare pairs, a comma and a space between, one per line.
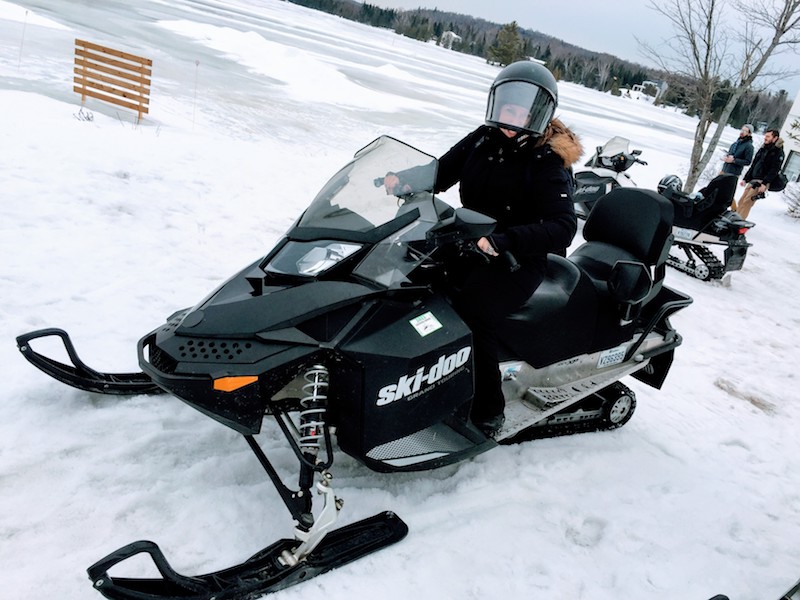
636, 220
715, 198
719, 192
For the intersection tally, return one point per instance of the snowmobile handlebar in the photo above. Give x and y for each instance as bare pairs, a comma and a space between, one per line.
509, 260
506, 258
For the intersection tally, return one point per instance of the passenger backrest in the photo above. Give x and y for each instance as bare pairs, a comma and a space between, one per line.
636, 220
627, 226
717, 196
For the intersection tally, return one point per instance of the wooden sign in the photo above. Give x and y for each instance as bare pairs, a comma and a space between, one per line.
112, 76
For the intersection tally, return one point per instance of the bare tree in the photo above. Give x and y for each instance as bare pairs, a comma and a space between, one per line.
716, 59
603, 73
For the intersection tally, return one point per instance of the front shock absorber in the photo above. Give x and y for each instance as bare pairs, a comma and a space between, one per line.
314, 408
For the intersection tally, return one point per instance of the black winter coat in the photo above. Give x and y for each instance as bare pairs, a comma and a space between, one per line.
524, 184
742, 152
767, 163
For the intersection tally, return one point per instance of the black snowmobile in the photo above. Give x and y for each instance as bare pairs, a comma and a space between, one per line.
344, 336
704, 220
604, 171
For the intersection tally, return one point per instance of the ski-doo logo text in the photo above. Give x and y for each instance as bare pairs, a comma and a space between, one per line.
409, 385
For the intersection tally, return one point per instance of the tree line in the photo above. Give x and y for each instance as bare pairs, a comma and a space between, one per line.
503, 44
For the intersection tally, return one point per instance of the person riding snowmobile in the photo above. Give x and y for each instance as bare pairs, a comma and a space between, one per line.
515, 169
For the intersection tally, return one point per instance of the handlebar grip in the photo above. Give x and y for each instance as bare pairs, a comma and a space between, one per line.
378, 181
509, 260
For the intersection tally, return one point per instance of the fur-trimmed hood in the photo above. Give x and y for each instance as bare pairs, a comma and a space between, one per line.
563, 142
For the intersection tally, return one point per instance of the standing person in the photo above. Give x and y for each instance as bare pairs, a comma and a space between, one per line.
515, 169
766, 165
740, 154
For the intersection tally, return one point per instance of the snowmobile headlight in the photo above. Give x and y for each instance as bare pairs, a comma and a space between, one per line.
310, 258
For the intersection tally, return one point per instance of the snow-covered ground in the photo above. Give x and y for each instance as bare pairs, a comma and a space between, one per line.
106, 228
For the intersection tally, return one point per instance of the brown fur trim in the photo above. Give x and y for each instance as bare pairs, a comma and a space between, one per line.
563, 141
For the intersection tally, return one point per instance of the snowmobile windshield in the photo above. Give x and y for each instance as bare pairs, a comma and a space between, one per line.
615, 146
357, 208
355, 205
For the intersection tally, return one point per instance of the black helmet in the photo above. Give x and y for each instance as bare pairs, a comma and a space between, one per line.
670, 182
530, 85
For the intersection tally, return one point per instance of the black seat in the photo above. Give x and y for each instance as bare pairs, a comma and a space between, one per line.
578, 307
627, 224
628, 236
717, 196
557, 321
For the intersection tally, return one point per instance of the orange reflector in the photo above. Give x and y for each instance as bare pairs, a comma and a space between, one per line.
231, 384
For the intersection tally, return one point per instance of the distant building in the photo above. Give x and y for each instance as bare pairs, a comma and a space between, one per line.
448, 39
790, 133
655, 89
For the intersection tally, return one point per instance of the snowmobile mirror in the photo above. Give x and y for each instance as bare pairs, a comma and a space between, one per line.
464, 224
629, 282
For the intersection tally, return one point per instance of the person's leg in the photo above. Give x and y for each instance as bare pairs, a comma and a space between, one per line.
746, 202
484, 299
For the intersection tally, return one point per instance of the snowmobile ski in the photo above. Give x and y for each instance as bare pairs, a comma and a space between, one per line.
78, 374
263, 573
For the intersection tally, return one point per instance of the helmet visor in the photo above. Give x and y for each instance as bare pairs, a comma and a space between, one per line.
520, 106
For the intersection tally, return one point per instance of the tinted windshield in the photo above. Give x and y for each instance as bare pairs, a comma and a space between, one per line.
616, 145
355, 199
354, 210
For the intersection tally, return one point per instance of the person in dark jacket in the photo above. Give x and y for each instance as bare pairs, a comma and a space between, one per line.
740, 154
765, 168
516, 169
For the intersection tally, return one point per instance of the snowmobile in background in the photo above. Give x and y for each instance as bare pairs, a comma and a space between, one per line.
703, 220
606, 170
344, 336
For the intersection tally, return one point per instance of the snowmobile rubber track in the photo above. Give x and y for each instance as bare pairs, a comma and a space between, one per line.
714, 265
604, 397
263, 573
78, 374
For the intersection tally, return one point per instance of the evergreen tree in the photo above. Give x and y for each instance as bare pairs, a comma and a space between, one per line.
508, 47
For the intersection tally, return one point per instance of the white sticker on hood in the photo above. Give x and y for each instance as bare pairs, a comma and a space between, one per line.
425, 324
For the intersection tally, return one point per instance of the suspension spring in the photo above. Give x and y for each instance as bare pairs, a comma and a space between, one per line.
314, 403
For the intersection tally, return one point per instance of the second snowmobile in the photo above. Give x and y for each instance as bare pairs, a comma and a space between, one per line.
604, 171
343, 335
704, 220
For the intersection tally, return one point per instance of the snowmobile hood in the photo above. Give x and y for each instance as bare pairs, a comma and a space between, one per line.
276, 308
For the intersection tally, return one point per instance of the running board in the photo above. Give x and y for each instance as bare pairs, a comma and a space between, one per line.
78, 374
263, 573
537, 404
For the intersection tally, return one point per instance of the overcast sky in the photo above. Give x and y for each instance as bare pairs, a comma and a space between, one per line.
598, 26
